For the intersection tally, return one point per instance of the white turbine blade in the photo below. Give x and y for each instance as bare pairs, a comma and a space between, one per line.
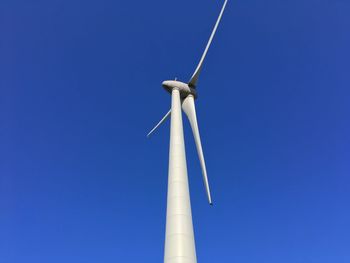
194, 78
190, 110
159, 123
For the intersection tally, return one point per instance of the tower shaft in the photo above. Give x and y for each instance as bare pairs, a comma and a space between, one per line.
179, 237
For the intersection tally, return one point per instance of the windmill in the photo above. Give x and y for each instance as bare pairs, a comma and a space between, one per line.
179, 237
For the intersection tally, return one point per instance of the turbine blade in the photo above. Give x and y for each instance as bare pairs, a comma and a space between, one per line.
194, 78
190, 110
159, 123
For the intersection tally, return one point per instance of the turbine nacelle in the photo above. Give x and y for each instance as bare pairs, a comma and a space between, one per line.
184, 88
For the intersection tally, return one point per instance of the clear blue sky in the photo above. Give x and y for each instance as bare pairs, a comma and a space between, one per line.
80, 87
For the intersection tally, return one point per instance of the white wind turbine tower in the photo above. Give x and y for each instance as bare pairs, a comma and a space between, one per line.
179, 237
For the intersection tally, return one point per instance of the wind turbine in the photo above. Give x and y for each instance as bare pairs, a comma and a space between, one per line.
179, 237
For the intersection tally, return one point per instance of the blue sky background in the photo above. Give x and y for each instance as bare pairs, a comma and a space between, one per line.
80, 87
